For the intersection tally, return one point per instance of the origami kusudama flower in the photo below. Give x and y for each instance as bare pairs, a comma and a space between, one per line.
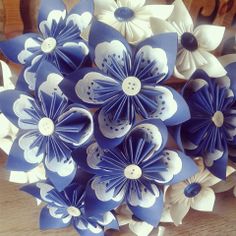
195, 45
58, 41
130, 18
211, 131
67, 208
50, 127
126, 83
195, 192
7, 130
134, 172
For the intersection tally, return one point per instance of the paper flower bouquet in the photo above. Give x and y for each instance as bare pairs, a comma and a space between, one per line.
97, 132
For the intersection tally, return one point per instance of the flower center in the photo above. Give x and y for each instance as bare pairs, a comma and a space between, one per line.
48, 45
218, 119
192, 190
73, 211
46, 126
189, 41
131, 86
124, 14
132, 172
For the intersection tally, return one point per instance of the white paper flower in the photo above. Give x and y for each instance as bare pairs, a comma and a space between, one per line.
130, 17
195, 192
195, 44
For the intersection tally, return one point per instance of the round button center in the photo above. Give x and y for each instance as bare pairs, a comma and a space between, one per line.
48, 45
133, 172
46, 126
218, 119
189, 42
192, 190
131, 86
73, 211
124, 14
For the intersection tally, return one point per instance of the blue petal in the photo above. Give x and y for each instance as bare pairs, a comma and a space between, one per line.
231, 72
47, 7
47, 221
169, 43
149, 208
18, 49
13, 104
106, 131
24, 155
98, 201
21, 83
87, 229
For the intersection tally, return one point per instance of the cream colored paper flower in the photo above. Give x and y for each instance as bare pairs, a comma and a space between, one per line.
195, 192
195, 44
130, 17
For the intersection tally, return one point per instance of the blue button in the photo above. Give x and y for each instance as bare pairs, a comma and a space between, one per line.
124, 14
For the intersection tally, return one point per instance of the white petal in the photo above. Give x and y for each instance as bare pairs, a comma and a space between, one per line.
140, 228
8, 79
204, 201
224, 186
19, 177
161, 26
103, 6
209, 37
131, 3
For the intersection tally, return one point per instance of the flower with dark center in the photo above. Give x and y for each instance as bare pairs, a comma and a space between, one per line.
57, 42
66, 208
127, 82
134, 172
50, 127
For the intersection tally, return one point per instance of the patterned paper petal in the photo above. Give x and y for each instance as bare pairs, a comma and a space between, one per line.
179, 166
98, 200
24, 154
60, 172
172, 108
49, 12
109, 133
149, 207
19, 108
81, 14
109, 221
231, 70
109, 45
50, 220
87, 229
21, 48
75, 125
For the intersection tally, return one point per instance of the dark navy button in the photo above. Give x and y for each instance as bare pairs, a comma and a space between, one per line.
192, 190
189, 41
124, 14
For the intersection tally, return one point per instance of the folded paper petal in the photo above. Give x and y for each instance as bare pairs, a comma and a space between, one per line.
98, 200
109, 221
179, 211
131, 4
140, 228
161, 26
87, 229
101, 6
149, 207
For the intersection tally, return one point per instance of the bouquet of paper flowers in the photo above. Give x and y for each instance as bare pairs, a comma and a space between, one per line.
96, 131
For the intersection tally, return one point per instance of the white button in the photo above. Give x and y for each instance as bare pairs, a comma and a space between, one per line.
46, 126
48, 45
131, 86
133, 172
73, 211
218, 119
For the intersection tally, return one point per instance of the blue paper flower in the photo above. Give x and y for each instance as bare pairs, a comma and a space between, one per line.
134, 172
127, 82
211, 131
50, 127
58, 41
67, 208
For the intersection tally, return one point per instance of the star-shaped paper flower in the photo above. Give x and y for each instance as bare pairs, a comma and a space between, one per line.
50, 127
127, 83
195, 44
195, 192
130, 18
67, 208
134, 172
211, 131
58, 40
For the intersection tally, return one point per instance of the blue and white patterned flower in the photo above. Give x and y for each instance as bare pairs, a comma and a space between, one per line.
67, 208
130, 18
195, 44
58, 40
195, 192
127, 83
134, 172
50, 127
211, 131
